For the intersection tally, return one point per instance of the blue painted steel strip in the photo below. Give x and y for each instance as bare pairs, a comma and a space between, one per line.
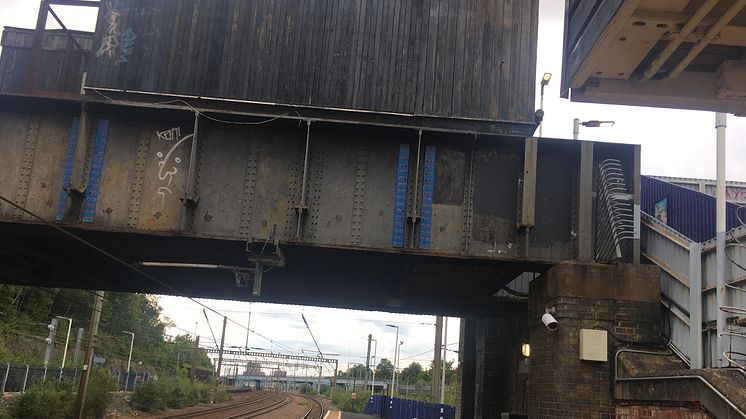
67, 174
400, 197
428, 185
94, 176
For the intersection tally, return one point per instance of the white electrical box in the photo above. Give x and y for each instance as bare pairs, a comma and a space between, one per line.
593, 345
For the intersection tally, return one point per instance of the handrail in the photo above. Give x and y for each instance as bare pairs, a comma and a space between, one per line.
617, 378
678, 276
665, 230
736, 233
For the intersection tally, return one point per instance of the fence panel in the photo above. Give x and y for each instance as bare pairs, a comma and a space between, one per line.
396, 408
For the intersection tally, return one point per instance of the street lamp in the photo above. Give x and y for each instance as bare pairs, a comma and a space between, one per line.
544, 81
67, 340
375, 352
444, 363
588, 124
398, 356
396, 349
129, 360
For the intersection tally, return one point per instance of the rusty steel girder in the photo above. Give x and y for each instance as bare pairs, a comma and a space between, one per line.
427, 206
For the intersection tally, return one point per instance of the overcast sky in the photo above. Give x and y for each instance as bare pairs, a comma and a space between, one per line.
674, 143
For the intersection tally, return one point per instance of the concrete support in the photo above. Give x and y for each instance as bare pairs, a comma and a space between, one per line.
437, 350
467, 360
623, 299
495, 381
499, 387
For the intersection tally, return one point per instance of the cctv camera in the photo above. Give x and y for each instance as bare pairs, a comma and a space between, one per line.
550, 322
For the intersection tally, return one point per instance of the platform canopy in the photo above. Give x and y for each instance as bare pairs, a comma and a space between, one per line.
688, 54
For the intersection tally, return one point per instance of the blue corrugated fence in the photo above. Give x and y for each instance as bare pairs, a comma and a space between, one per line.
388, 408
689, 212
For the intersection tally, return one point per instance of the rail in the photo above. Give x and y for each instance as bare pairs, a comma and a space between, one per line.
712, 388
218, 409
687, 266
315, 405
256, 407
276, 404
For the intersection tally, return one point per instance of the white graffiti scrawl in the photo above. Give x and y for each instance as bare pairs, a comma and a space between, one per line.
168, 166
116, 43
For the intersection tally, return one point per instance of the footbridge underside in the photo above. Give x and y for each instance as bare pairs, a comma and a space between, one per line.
288, 207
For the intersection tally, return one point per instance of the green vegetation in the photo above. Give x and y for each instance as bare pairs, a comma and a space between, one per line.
53, 399
45, 401
27, 310
343, 400
168, 393
25, 313
414, 377
384, 369
98, 396
173, 393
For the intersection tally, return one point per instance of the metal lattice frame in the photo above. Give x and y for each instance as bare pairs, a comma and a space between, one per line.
276, 359
615, 212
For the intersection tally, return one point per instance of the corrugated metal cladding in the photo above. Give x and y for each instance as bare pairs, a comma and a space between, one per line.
734, 191
689, 212
450, 58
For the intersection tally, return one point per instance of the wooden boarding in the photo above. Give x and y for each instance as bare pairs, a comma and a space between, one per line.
449, 58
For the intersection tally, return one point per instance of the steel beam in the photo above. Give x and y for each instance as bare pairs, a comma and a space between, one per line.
585, 203
32, 76
83, 3
695, 305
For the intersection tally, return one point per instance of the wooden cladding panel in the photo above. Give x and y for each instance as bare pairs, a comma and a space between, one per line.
450, 58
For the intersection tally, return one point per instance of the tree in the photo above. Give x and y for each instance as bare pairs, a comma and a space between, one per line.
412, 373
26, 311
356, 371
385, 369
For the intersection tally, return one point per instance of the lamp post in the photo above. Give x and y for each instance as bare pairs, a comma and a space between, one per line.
375, 351
588, 124
67, 340
129, 360
443, 364
398, 355
396, 349
544, 81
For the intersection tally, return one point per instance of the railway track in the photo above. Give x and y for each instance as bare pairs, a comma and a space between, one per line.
214, 411
277, 403
254, 408
316, 411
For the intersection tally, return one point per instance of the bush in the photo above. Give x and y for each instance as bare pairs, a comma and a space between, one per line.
148, 397
98, 396
222, 396
343, 400
48, 400
176, 393
173, 393
53, 399
200, 393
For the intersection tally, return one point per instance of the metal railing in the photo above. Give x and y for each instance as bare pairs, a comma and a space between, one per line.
615, 212
688, 266
21, 377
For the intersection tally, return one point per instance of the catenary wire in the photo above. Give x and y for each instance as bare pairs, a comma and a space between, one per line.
135, 269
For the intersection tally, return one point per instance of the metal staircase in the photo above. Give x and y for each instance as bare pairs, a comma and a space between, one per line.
688, 287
